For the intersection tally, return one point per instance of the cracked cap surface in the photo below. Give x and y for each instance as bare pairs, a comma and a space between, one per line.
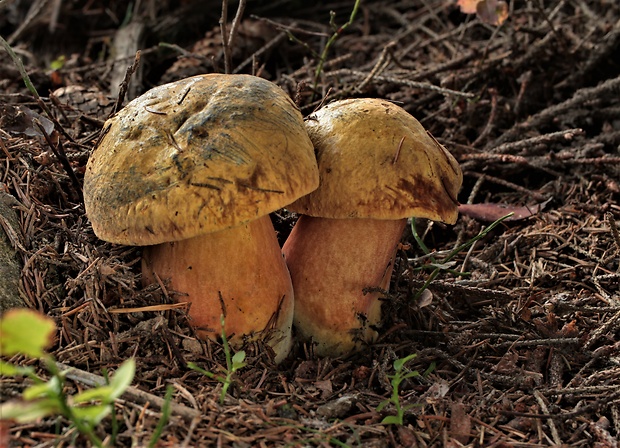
195, 156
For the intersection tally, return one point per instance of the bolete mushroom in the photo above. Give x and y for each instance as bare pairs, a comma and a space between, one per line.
191, 170
377, 166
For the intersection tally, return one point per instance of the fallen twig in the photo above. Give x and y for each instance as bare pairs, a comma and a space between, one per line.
132, 393
608, 88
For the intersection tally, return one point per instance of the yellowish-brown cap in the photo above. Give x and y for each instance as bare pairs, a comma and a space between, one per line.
377, 161
195, 156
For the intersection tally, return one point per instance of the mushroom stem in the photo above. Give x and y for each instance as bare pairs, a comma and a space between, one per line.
332, 262
238, 272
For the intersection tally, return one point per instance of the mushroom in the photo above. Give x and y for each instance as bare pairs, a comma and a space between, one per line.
191, 170
377, 167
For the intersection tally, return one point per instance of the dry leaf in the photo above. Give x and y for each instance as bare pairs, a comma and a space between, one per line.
507, 364
491, 212
570, 330
426, 298
406, 436
468, 6
324, 386
436, 392
460, 423
493, 12
24, 121
337, 408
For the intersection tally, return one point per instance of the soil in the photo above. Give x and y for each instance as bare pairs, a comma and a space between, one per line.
517, 339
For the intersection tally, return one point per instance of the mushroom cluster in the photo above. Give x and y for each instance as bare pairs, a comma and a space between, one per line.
192, 169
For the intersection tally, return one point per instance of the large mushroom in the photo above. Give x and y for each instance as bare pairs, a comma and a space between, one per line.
191, 170
377, 167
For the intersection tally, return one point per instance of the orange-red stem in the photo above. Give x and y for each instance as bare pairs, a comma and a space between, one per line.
239, 272
332, 262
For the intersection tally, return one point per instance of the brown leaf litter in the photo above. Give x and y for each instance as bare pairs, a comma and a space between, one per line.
523, 329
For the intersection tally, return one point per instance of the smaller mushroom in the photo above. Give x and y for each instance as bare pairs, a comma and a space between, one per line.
192, 170
377, 167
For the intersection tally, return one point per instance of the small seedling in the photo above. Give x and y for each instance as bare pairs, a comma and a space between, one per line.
165, 416
20, 67
28, 333
233, 363
338, 30
446, 263
399, 376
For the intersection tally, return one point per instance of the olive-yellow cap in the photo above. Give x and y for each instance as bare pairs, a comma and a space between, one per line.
196, 156
377, 161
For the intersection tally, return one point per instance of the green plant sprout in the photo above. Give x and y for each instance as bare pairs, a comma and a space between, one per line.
395, 380
20, 67
446, 263
166, 410
338, 30
233, 363
26, 332
58, 63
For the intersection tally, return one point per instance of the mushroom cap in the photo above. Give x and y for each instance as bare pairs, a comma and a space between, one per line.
195, 156
377, 161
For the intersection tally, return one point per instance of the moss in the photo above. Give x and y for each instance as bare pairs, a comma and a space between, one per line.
9, 265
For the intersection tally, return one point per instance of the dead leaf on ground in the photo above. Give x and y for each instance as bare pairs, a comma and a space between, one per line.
407, 436
491, 212
468, 6
507, 364
436, 392
460, 423
425, 299
23, 121
493, 12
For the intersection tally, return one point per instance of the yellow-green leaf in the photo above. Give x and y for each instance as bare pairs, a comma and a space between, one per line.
25, 331
50, 389
92, 414
7, 369
28, 411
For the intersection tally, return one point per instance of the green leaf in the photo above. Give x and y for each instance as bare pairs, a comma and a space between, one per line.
118, 385
7, 369
92, 414
122, 378
51, 389
25, 331
410, 375
195, 367
238, 360
418, 239
399, 363
28, 411
429, 370
165, 416
382, 405
58, 63
392, 420
101, 393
